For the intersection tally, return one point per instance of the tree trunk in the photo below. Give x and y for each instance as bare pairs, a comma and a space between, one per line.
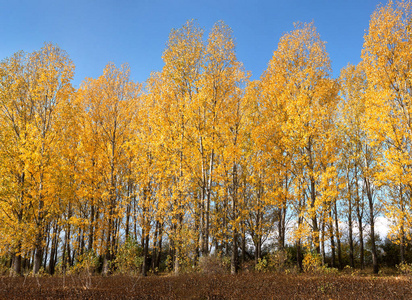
208, 199
157, 262
332, 242
282, 227
402, 229
38, 256
53, 251
91, 228
372, 225
350, 221
127, 229
322, 242
145, 255
315, 228
361, 242
234, 257
359, 215
299, 256
243, 246
17, 257
350, 228
17, 260
46, 248
338, 236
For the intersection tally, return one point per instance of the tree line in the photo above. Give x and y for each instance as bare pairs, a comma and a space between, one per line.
201, 160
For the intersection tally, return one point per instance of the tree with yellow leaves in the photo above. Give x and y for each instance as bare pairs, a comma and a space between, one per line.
387, 60
108, 104
179, 79
35, 87
224, 78
300, 98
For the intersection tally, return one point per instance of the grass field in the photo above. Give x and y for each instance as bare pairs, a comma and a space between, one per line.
242, 286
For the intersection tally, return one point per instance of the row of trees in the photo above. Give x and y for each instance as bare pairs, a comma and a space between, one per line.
202, 160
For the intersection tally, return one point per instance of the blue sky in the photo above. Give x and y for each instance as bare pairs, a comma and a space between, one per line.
97, 32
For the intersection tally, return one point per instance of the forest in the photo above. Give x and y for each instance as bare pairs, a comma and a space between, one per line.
200, 167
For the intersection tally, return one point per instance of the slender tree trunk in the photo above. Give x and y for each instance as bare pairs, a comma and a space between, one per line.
108, 255
53, 251
322, 241
243, 246
315, 227
282, 227
157, 263
257, 237
372, 234
332, 240
46, 248
372, 226
282, 217
402, 229
91, 228
359, 215
127, 229
81, 244
145, 256
350, 228
299, 256
198, 233
402, 245
361, 242
234, 258
302, 201
177, 259
17, 257
350, 221
338, 236
178, 245
39, 236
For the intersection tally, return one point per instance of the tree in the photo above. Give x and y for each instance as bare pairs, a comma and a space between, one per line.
353, 85
34, 89
108, 104
180, 77
387, 59
299, 100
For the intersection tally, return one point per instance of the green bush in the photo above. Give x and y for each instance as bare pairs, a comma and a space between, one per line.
87, 263
129, 257
404, 268
262, 265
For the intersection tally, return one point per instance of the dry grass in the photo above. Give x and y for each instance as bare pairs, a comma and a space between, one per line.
214, 286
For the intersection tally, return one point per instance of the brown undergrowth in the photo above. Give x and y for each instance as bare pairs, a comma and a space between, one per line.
216, 286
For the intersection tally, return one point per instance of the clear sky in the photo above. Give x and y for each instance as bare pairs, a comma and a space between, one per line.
97, 32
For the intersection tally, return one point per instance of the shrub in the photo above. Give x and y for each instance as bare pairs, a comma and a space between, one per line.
278, 260
129, 257
87, 264
262, 265
312, 262
404, 268
3, 266
214, 264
